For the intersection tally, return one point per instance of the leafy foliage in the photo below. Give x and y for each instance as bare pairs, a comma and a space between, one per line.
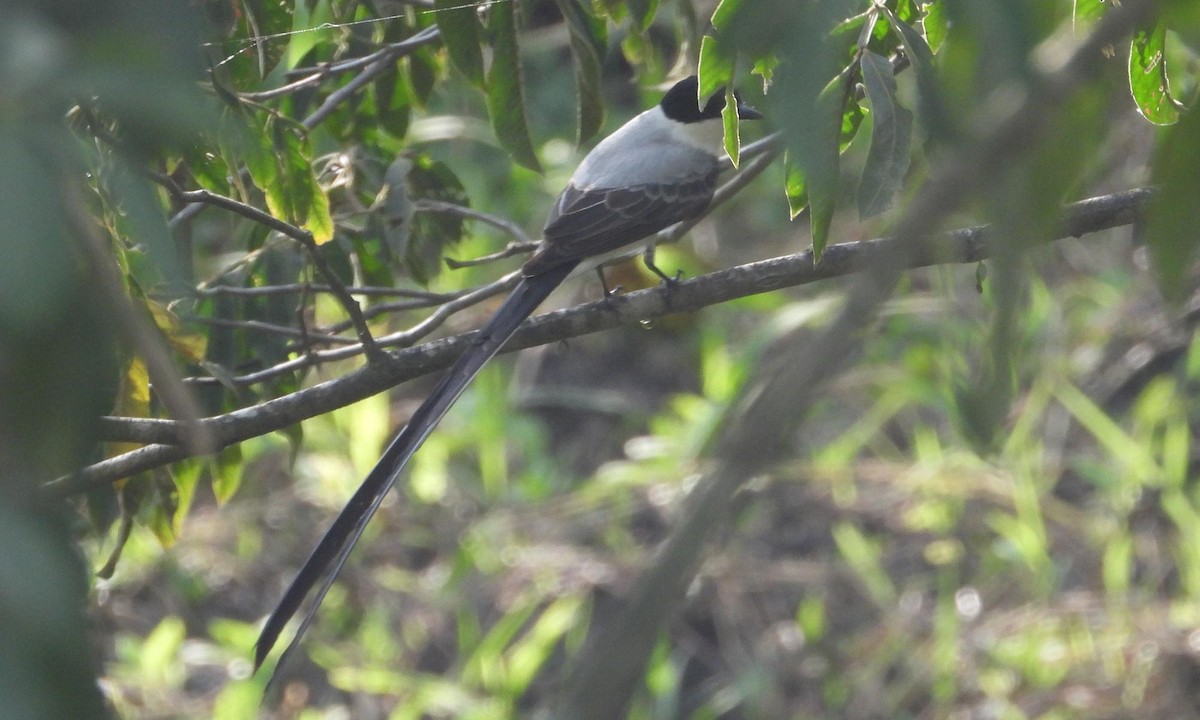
970, 474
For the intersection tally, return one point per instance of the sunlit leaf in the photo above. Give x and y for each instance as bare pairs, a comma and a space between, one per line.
715, 69
133, 401
308, 30
319, 221
1148, 76
505, 99
189, 344
724, 11
934, 24
729, 118
891, 137
1086, 12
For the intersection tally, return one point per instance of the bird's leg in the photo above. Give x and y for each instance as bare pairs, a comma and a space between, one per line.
608, 292
668, 281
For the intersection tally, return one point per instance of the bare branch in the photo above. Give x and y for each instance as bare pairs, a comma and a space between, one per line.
304, 237
504, 224
966, 245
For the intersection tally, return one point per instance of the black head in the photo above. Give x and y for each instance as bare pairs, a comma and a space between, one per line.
681, 105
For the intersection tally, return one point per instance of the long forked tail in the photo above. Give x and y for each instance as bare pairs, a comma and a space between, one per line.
330, 554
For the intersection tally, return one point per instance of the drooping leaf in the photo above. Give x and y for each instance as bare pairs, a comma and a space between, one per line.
823, 167
1174, 216
397, 207
1086, 12
393, 110
1148, 76
319, 221
930, 104
891, 138
188, 344
715, 68
505, 99
310, 29
642, 13
724, 11
227, 473
934, 24
133, 401
433, 233
794, 187
422, 75
729, 118
588, 39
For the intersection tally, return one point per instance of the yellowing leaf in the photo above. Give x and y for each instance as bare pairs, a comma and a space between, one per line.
190, 345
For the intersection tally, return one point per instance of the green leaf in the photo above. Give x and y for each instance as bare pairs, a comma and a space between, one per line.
824, 167
891, 138
764, 67
725, 10
588, 41
505, 102
929, 90
1174, 216
227, 473
393, 111
319, 221
715, 69
422, 75
934, 24
433, 233
1088, 11
1148, 76
794, 187
259, 156
729, 119
462, 36
308, 31
642, 13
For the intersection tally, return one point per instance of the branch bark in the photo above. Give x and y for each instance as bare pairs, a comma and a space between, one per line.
965, 245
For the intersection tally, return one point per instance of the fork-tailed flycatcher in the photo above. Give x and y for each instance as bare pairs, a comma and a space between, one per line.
656, 170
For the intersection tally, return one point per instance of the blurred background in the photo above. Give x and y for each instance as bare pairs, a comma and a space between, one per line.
989, 512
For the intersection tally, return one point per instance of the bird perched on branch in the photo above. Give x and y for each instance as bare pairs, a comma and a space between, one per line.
658, 169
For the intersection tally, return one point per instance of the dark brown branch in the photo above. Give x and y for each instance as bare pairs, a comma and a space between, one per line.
966, 245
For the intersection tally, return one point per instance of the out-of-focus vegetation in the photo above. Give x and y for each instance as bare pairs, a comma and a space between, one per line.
990, 511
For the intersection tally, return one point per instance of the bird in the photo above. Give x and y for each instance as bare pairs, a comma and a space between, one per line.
657, 169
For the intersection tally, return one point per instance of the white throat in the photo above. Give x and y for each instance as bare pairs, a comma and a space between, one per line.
706, 135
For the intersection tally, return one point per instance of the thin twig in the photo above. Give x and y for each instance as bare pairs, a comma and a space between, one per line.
300, 288
314, 75
509, 250
272, 329
500, 223
304, 237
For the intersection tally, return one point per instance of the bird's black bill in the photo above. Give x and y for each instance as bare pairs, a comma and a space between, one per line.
746, 112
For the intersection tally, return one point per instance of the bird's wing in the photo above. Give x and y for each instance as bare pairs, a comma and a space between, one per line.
593, 221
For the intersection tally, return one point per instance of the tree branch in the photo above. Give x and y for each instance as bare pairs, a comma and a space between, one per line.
304, 237
965, 245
